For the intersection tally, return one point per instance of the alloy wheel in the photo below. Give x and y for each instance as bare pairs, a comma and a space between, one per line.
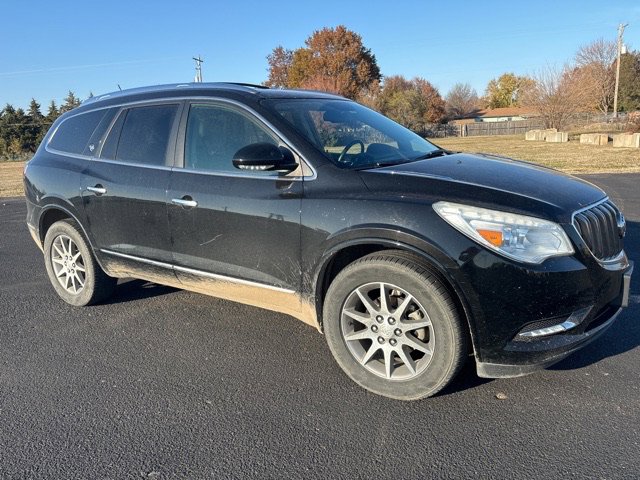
387, 331
68, 264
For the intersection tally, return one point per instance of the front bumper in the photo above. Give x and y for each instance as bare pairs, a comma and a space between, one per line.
532, 353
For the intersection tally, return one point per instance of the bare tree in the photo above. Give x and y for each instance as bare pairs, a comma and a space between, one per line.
462, 100
556, 95
595, 72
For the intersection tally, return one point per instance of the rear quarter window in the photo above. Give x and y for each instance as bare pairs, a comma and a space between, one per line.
95, 142
73, 134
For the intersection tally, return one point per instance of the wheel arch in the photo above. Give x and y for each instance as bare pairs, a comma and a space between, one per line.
343, 254
55, 212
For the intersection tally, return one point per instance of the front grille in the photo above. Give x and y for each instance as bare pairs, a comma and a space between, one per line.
601, 228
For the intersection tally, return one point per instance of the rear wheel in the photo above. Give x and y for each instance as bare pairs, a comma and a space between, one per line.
73, 271
393, 327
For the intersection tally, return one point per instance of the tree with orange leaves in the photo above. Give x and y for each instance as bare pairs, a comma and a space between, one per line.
333, 59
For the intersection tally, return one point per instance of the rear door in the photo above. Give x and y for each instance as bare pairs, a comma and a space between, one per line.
244, 225
124, 188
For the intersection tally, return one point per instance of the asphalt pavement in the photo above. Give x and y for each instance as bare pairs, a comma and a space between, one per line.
164, 383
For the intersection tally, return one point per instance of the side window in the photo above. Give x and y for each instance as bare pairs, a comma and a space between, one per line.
72, 136
141, 135
215, 133
93, 147
111, 142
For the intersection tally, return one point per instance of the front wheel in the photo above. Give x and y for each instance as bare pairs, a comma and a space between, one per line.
73, 271
393, 327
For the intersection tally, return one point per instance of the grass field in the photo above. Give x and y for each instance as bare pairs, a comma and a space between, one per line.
570, 157
11, 179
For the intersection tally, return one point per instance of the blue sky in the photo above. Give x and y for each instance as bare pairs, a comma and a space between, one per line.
50, 47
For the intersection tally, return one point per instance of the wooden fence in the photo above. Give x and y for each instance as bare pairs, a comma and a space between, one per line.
518, 127
440, 130
481, 128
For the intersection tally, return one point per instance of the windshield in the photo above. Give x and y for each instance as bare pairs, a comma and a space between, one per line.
350, 135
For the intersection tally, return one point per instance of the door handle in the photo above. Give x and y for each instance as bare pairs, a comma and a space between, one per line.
185, 201
98, 190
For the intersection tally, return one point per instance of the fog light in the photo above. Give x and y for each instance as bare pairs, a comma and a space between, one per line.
572, 321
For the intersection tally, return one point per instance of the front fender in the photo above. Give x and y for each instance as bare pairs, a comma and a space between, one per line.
389, 236
435, 258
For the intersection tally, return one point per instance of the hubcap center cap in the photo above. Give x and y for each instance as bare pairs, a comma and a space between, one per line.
385, 330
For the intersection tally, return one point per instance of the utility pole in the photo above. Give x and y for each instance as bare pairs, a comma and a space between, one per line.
199, 63
621, 28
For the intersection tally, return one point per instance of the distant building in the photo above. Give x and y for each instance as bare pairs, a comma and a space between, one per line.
505, 114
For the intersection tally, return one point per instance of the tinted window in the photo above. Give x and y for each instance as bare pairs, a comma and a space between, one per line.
350, 135
73, 134
111, 143
93, 147
215, 133
145, 134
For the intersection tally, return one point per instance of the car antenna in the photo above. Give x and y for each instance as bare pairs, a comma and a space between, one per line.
119, 87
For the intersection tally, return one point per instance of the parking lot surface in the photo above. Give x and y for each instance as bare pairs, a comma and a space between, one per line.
164, 383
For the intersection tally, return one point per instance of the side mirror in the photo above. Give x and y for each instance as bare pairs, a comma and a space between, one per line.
265, 157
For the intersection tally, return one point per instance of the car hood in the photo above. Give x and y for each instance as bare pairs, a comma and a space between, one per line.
488, 180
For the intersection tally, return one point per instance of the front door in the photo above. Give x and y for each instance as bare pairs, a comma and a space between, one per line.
231, 226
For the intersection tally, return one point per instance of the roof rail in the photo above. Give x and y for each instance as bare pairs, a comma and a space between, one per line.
252, 85
130, 91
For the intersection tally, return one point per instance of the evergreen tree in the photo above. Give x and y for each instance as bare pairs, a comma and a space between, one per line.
9, 124
35, 129
629, 96
19, 140
70, 102
34, 110
15, 148
52, 113
8, 109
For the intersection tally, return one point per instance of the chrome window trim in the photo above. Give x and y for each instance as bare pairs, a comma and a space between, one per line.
107, 132
281, 137
200, 273
114, 120
67, 154
53, 134
131, 164
296, 178
191, 99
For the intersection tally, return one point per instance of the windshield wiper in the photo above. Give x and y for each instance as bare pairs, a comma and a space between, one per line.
434, 153
390, 163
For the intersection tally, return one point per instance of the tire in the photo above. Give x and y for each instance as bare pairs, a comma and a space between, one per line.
409, 357
66, 255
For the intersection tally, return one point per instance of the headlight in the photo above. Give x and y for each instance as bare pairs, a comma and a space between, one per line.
522, 238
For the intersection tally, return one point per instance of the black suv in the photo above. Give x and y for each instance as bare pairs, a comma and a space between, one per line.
408, 257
